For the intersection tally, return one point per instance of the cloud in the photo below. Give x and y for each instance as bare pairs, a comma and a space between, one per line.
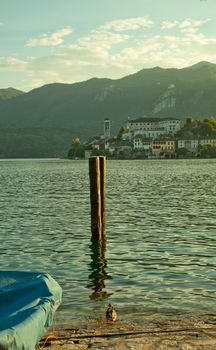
113, 50
187, 26
111, 33
53, 39
128, 24
169, 24
101, 40
12, 64
81, 63
168, 51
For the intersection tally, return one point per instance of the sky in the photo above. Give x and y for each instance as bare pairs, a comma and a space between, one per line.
67, 41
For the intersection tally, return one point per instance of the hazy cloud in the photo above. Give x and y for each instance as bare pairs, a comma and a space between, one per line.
82, 63
12, 64
187, 26
108, 51
168, 51
191, 26
52, 39
128, 24
101, 41
169, 24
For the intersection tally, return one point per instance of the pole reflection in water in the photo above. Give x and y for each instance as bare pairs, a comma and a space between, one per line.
98, 273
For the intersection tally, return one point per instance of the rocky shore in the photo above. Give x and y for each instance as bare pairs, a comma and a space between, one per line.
164, 333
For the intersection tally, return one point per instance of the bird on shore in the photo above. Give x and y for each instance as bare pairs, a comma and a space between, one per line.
111, 314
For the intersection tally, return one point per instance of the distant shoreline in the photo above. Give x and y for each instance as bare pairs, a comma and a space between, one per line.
82, 159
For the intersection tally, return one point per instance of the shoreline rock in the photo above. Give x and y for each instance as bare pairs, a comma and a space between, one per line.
164, 333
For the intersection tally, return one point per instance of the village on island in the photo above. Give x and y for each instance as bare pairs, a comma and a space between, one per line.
151, 138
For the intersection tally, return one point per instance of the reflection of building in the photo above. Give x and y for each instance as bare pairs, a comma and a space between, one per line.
107, 129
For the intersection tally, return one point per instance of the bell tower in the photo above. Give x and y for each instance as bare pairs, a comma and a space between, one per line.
107, 128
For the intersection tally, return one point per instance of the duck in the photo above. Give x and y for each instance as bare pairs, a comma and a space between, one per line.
111, 314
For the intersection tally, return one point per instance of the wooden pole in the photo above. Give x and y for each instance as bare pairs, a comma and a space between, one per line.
103, 195
95, 197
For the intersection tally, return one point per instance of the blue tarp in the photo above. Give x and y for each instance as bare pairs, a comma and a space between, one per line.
28, 301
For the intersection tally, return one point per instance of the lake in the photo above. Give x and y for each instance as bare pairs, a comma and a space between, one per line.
159, 256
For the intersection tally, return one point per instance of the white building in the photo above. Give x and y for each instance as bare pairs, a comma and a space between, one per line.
191, 144
171, 125
142, 144
153, 127
154, 133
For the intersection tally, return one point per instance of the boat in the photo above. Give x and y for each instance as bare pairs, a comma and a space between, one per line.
28, 301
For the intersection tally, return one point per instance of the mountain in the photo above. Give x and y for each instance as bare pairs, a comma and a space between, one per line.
43, 121
8, 93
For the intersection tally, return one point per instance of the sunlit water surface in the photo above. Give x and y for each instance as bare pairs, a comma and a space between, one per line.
159, 256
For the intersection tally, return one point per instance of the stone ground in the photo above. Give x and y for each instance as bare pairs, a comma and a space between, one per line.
146, 334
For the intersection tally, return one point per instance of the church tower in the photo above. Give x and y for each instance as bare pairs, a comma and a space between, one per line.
107, 129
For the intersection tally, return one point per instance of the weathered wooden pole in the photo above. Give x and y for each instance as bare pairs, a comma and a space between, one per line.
95, 197
103, 195
97, 174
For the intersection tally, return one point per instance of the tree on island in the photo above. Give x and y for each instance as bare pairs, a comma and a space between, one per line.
207, 151
76, 150
120, 133
182, 152
189, 121
199, 128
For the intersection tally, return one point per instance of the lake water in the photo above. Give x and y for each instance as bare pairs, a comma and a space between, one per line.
159, 256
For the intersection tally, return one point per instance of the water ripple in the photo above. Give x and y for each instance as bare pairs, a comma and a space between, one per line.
160, 251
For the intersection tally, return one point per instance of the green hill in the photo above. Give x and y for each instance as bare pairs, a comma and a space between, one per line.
8, 93
43, 121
